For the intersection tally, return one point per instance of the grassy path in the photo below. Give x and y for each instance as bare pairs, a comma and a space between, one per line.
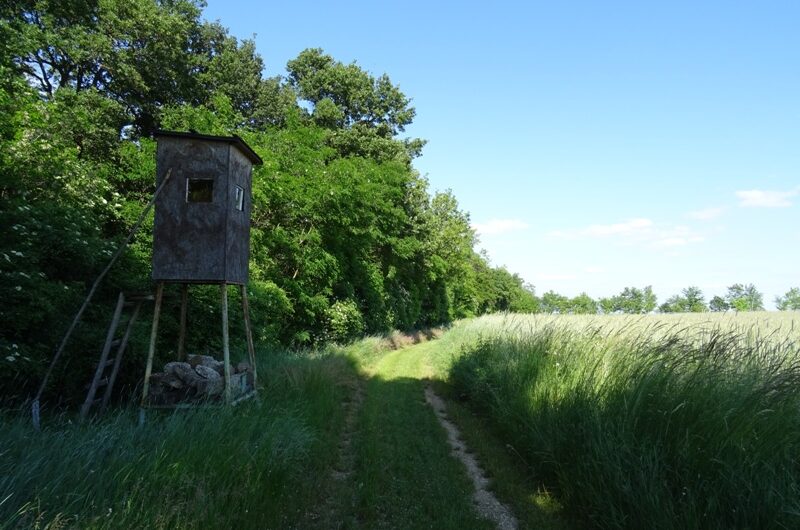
404, 476
403, 473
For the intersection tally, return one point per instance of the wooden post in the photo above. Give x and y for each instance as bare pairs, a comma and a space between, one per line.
182, 334
226, 349
251, 350
101, 366
152, 351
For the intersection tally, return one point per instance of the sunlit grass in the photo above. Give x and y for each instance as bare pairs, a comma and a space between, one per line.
676, 421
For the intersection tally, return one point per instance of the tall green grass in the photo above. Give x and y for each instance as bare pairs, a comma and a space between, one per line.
258, 465
645, 423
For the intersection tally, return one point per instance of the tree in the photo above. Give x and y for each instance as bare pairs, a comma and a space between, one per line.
365, 112
552, 302
634, 300
583, 304
695, 301
718, 304
690, 300
674, 304
608, 305
744, 298
142, 54
789, 301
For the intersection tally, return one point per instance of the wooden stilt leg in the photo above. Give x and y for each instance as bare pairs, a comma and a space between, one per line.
153, 334
251, 350
182, 334
226, 349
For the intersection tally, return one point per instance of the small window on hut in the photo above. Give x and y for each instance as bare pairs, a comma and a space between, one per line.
239, 198
199, 190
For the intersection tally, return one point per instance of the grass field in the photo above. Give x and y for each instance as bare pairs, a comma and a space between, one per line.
254, 466
687, 421
676, 421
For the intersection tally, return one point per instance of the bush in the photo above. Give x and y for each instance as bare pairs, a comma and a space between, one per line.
345, 322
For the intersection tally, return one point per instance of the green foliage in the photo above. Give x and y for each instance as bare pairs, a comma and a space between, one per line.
345, 321
718, 304
691, 300
631, 300
789, 301
552, 302
744, 298
583, 304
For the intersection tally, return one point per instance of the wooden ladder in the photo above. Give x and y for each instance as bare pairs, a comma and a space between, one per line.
101, 376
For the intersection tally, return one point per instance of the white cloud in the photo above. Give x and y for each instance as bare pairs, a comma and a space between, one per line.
766, 198
594, 270
638, 231
499, 226
706, 214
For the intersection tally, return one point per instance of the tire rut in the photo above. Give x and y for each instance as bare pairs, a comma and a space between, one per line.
487, 505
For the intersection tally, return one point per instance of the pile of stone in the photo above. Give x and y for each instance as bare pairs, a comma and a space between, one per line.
200, 378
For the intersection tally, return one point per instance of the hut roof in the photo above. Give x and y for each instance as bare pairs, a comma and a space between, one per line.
235, 140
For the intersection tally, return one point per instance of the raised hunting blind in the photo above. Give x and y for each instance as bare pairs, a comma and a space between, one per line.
201, 235
202, 219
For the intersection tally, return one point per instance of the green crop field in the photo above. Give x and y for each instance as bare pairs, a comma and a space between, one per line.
671, 421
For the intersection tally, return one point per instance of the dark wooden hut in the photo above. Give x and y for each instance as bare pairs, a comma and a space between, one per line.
202, 219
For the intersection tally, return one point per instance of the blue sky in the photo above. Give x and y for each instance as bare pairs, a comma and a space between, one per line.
596, 145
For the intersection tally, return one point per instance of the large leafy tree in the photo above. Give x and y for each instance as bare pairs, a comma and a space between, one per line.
142, 54
743, 297
583, 304
634, 300
790, 301
366, 112
691, 300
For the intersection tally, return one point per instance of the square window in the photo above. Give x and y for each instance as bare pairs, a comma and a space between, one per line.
239, 198
199, 190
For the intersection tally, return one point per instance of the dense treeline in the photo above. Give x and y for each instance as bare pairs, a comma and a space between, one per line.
346, 236
632, 300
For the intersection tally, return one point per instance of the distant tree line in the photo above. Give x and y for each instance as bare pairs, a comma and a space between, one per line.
347, 237
632, 300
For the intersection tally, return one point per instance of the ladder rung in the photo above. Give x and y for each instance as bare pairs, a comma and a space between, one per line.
108, 363
115, 343
102, 382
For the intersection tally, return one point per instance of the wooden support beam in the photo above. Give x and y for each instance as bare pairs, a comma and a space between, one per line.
182, 333
251, 350
226, 349
153, 335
